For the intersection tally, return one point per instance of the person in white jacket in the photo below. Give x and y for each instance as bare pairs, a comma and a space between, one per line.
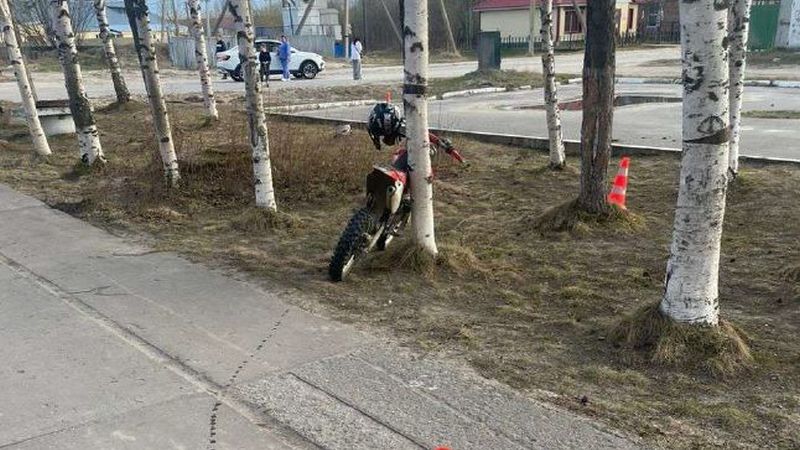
355, 57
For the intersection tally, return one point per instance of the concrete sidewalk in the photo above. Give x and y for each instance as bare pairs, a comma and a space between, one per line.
108, 345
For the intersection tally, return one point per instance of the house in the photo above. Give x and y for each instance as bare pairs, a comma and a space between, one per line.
512, 18
659, 19
119, 25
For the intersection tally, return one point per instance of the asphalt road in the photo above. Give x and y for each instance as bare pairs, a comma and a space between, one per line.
651, 124
629, 63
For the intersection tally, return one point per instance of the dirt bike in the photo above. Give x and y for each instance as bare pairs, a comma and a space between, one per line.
385, 213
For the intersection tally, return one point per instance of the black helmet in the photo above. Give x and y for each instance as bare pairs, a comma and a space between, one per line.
385, 122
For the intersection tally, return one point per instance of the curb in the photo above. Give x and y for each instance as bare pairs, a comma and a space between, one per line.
752, 83
316, 106
571, 147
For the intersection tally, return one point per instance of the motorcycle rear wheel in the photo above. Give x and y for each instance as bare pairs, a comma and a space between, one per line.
356, 240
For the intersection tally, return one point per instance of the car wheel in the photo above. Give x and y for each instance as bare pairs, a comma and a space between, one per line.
309, 70
237, 75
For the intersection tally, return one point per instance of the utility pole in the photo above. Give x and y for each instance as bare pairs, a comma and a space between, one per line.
533, 12
391, 22
364, 20
449, 29
346, 30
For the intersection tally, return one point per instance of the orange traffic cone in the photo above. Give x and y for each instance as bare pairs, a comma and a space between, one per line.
620, 187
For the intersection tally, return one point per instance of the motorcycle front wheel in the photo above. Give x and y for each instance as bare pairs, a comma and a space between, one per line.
357, 239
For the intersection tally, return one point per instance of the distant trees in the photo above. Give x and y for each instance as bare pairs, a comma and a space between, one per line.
35, 23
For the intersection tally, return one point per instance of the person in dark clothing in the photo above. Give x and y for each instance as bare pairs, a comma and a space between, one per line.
265, 59
221, 47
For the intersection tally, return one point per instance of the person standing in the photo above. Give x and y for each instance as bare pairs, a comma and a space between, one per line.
285, 55
355, 57
221, 47
264, 58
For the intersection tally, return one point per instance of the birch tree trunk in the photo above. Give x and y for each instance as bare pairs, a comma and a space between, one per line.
259, 137
120, 87
450, 38
415, 26
18, 35
145, 49
738, 28
201, 56
692, 276
557, 157
79, 106
40, 145
598, 105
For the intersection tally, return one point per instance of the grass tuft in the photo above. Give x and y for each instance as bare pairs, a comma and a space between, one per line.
407, 255
569, 217
255, 219
791, 274
720, 351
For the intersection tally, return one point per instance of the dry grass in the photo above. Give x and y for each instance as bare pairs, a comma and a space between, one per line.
528, 308
720, 351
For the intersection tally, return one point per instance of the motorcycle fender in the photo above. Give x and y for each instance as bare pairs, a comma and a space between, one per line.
394, 196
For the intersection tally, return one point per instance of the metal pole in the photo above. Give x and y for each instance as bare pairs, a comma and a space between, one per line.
346, 31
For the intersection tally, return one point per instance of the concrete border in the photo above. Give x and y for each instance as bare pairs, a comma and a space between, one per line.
315, 106
572, 147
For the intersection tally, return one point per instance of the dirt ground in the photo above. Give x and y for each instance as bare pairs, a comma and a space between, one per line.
529, 309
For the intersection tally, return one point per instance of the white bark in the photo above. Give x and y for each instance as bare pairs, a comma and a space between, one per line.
143, 41
88, 137
738, 27
40, 145
259, 137
346, 29
692, 277
120, 87
201, 56
416, 113
557, 156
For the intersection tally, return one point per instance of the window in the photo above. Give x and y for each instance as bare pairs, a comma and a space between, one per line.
630, 19
571, 22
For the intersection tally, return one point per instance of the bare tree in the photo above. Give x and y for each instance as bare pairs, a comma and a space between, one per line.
415, 26
40, 145
138, 16
557, 157
738, 28
259, 136
692, 277
598, 105
120, 87
37, 26
79, 106
201, 56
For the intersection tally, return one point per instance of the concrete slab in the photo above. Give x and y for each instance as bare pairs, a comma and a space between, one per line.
322, 419
9, 199
60, 370
180, 423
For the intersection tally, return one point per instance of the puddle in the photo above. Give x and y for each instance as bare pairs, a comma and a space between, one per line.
619, 101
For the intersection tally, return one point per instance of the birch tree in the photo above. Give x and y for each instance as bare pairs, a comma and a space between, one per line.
692, 276
138, 16
598, 105
738, 28
79, 106
415, 26
120, 87
201, 56
557, 157
40, 145
259, 136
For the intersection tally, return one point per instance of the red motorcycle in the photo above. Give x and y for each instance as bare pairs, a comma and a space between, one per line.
386, 211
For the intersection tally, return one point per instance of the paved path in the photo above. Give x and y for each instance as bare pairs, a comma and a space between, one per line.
652, 124
108, 345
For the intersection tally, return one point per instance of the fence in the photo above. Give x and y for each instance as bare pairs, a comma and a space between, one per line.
763, 24
181, 52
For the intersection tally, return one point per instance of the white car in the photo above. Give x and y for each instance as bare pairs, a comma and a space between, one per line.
301, 65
